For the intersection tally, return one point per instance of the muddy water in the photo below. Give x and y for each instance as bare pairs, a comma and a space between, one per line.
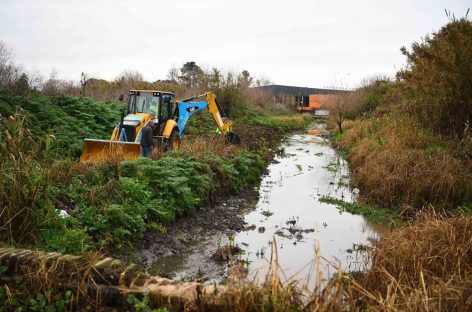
288, 209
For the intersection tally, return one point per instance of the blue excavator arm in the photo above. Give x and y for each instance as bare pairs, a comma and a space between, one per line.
192, 105
187, 109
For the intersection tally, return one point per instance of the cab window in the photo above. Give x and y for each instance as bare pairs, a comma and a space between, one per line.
144, 103
166, 108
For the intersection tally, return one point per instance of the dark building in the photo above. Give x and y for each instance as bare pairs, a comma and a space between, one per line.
278, 90
300, 98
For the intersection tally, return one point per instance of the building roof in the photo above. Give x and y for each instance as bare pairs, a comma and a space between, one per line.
291, 90
151, 91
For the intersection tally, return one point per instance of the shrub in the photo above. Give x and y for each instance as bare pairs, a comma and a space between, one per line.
246, 170
438, 78
74, 241
180, 183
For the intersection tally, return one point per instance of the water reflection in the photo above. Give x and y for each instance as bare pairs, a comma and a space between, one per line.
308, 170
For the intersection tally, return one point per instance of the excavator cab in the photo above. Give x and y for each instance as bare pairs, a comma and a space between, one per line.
143, 106
150, 102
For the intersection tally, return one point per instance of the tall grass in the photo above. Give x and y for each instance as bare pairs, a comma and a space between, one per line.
395, 161
23, 180
426, 266
213, 143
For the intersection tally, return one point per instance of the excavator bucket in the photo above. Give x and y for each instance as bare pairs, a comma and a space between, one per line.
233, 138
99, 151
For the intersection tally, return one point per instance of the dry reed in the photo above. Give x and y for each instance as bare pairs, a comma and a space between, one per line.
200, 146
426, 266
397, 162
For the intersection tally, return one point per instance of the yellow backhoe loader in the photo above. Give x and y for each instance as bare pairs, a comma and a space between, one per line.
170, 119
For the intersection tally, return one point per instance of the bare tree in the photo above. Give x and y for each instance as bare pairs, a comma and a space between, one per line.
343, 105
83, 82
263, 81
173, 74
130, 79
51, 86
9, 72
36, 80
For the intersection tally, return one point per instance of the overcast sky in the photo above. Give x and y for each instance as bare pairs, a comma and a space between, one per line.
309, 43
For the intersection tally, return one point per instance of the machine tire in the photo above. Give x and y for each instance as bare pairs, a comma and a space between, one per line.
174, 141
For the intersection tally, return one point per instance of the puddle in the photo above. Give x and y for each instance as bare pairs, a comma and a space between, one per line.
288, 209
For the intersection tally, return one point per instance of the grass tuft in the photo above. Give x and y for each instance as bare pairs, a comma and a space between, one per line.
372, 213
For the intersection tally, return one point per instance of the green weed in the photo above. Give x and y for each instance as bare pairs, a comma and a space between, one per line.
333, 166
371, 213
143, 305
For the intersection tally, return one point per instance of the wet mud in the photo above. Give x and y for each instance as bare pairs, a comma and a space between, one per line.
187, 249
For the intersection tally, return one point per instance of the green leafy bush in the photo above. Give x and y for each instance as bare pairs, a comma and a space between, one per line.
246, 170
150, 193
70, 119
180, 184
67, 240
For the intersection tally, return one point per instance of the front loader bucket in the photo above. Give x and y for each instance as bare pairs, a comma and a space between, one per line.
99, 151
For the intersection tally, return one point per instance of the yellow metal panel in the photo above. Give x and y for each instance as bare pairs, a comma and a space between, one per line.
170, 125
145, 117
99, 151
223, 125
114, 135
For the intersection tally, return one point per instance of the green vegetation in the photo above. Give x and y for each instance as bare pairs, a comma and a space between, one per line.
144, 304
437, 82
372, 213
333, 166
52, 202
113, 206
408, 142
69, 119
283, 123
18, 298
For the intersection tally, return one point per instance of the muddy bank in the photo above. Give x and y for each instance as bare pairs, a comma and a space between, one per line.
190, 242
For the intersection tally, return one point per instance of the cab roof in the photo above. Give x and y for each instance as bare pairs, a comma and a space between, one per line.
151, 91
